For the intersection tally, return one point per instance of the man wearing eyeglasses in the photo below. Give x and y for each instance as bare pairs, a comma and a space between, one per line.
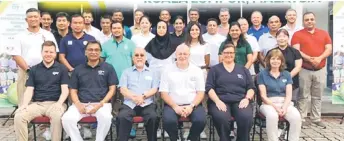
91, 88
138, 86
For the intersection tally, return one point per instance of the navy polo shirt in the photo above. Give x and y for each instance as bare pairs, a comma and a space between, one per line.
93, 83
74, 48
230, 87
274, 86
47, 81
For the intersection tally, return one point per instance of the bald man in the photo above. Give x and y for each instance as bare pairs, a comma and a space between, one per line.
138, 85
182, 88
268, 40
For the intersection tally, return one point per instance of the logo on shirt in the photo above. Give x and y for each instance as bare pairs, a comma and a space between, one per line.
284, 80
193, 78
70, 42
85, 43
240, 76
55, 73
125, 47
101, 72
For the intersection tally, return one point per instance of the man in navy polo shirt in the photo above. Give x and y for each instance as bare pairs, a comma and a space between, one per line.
92, 86
47, 89
72, 46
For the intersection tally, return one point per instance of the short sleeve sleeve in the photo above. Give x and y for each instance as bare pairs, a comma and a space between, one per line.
248, 49
112, 76
289, 79
30, 82
64, 75
200, 84
63, 46
328, 39
295, 39
124, 79
74, 81
156, 80
260, 79
207, 49
164, 85
50, 37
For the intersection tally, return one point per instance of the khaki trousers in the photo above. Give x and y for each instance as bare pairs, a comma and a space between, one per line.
312, 85
36, 109
22, 77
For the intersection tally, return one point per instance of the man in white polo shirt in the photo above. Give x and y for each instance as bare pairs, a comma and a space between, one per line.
268, 40
182, 88
214, 40
26, 51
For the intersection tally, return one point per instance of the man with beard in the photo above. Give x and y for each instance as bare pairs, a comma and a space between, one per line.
40, 101
92, 85
268, 40
89, 29
26, 50
138, 85
73, 45
118, 50
117, 16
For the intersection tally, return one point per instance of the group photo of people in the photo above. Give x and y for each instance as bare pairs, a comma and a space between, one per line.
222, 80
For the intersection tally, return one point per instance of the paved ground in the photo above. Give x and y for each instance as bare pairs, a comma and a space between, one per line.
333, 132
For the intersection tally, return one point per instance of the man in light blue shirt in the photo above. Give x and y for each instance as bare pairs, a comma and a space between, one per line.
138, 85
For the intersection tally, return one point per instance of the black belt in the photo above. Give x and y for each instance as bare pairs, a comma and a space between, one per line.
312, 69
204, 67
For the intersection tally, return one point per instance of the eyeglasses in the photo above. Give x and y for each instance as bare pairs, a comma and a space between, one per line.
93, 50
139, 55
226, 53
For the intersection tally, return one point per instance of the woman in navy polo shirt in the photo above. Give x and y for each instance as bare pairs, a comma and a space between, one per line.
293, 59
275, 86
230, 89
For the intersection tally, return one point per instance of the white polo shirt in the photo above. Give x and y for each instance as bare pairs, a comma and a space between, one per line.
158, 65
255, 48
182, 85
291, 31
95, 32
104, 38
214, 43
29, 45
141, 41
197, 54
267, 42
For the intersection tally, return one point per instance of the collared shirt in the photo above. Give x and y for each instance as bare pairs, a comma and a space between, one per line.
135, 30
255, 48
59, 37
29, 45
275, 87
182, 85
139, 83
291, 31
74, 48
119, 54
141, 40
267, 42
95, 32
93, 83
312, 44
257, 33
104, 38
222, 30
47, 81
229, 86
214, 43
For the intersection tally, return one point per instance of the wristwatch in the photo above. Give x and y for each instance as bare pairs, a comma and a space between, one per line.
193, 105
144, 96
28, 70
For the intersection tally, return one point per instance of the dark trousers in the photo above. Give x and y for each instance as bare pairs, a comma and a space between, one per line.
243, 118
125, 119
170, 122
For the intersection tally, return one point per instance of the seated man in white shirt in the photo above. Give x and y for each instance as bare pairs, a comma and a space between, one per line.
182, 88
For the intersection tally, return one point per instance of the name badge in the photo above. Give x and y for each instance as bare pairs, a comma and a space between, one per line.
85, 43
70, 43
148, 78
193, 78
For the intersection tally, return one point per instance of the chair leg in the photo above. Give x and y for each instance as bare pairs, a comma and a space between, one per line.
261, 131
254, 128
34, 132
111, 133
288, 128
210, 132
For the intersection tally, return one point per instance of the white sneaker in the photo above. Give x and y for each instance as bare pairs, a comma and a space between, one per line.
203, 135
280, 132
186, 134
87, 133
159, 134
47, 134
